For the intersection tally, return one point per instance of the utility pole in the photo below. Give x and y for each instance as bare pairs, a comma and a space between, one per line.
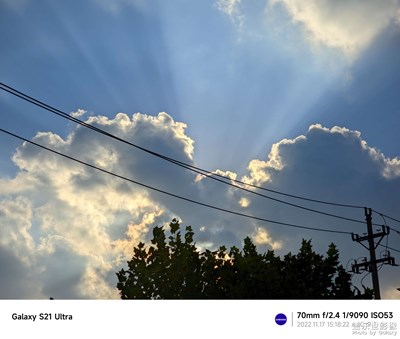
371, 265
372, 255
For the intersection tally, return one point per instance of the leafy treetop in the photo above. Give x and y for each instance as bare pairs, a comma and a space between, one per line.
174, 268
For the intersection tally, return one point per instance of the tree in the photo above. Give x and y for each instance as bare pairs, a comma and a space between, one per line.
174, 268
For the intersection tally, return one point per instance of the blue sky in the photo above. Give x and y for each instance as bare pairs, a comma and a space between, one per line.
255, 88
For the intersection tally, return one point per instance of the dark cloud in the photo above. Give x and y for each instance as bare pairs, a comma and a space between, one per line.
330, 165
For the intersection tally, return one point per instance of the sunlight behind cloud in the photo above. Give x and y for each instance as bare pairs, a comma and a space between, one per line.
243, 80
262, 237
78, 214
244, 202
349, 26
56, 211
346, 26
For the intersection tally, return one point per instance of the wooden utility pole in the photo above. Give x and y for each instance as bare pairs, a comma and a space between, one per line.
372, 255
371, 265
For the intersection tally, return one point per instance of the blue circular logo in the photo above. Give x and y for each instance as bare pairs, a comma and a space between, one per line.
280, 319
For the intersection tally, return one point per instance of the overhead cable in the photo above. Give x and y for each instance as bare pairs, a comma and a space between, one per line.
172, 194
208, 174
389, 217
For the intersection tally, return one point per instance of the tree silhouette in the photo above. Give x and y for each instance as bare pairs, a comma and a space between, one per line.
173, 268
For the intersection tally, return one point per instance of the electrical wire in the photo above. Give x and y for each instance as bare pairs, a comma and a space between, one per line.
209, 174
389, 248
362, 279
379, 268
387, 236
172, 194
386, 216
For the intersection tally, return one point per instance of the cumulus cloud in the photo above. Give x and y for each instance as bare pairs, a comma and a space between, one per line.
335, 156
346, 25
16, 222
68, 228
329, 164
260, 171
55, 212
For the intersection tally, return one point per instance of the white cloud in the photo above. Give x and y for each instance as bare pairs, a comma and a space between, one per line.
260, 171
346, 25
79, 113
16, 223
94, 284
228, 6
244, 202
261, 237
329, 164
228, 174
232, 9
135, 231
55, 211
392, 168
339, 144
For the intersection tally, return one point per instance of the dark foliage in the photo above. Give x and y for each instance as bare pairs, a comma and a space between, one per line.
173, 268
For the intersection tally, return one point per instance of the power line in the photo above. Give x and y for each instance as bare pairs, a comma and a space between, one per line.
208, 174
389, 217
41, 104
390, 248
172, 194
362, 279
371, 265
387, 239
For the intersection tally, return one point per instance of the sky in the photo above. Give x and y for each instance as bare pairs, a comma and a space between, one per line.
295, 96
